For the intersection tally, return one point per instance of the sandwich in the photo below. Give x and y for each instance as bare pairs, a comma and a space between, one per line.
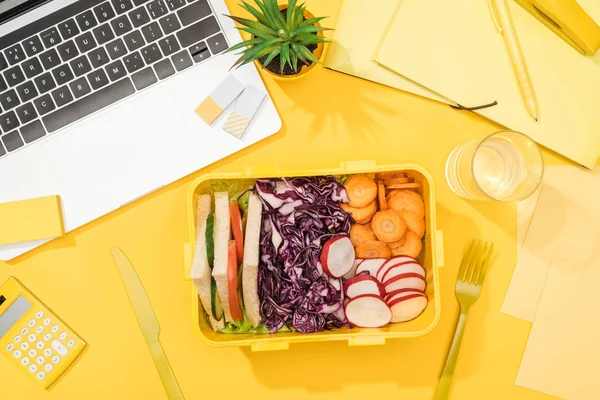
251, 258
222, 235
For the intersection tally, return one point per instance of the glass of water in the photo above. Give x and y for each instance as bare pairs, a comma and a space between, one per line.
506, 166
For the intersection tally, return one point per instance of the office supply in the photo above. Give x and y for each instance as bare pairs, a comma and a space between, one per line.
504, 166
98, 100
504, 23
147, 320
467, 63
469, 281
32, 337
32, 219
356, 40
562, 354
243, 113
568, 20
219, 99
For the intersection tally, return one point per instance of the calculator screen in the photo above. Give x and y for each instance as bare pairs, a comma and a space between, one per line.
13, 314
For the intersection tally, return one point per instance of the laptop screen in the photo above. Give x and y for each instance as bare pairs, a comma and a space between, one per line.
10, 9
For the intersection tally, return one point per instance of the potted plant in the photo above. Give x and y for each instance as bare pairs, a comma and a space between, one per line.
287, 40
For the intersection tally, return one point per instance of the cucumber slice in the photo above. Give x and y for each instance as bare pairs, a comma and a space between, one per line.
216, 307
210, 239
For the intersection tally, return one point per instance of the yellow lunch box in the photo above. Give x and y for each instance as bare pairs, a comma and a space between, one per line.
431, 258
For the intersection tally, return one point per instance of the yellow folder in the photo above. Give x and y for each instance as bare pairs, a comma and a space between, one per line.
32, 219
453, 48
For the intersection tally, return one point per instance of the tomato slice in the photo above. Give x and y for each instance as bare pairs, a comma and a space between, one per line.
236, 227
232, 281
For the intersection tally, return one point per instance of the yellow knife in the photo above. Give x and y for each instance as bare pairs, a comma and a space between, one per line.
147, 321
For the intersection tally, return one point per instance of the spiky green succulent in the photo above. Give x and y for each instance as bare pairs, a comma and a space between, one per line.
274, 35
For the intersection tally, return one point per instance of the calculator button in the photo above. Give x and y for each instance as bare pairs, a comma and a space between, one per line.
39, 315
39, 329
47, 321
41, 376
48, 352
47, 337
39, 345
33, 368
17, 339
31, 323
25, 345
55, 360
71, 343
10, 347
48, 367
32, 338
60, 349
17, 354
40, 360
24, 331
55, 329
32, 353
25, 361
63, 336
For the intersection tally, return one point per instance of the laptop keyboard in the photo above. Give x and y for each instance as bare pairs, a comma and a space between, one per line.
94, 53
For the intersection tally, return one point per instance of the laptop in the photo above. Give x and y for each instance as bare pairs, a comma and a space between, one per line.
97, 100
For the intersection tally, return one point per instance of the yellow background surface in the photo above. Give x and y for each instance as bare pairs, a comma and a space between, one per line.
328, 118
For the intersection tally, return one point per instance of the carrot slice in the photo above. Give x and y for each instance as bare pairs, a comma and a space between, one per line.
415, 223
391, 175
395, 181
236, 227
361, 190
381, 193
404, 186
410, 246
373, 249
361, 215
388, 226
407, 200
360, 234
232, 283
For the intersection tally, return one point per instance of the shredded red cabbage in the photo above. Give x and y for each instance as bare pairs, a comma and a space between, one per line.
300, 215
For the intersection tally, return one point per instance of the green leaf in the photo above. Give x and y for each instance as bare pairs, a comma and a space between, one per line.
290, 13
311, 21
258, 48
285, 57
309, 29
300, 14
256, 57
309, 55
296, 50
209, 239
257, 33
294, 59
261, 5
308, 42
272, 9
244, 44
274, 53
253, 25
263, 19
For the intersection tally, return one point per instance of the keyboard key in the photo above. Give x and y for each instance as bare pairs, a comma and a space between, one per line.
62, 96
45, 83
14, 76
151, 54
86, 20
121, 25
175, 4
217, 43
32, 46
27, 91
2, 152
81, 66
88, 105
9, 100
133, 62
122, 5
116, 70
50, 59
116, 49
32, 67
104, 34
198, 31
139, 17
139, 2
134, 40
194, 12
152, 32
169, 24
33, 131
199, 52
169, 45
8, 122
68, 51
182, 60
44, 104
62, 74
164, 69
12, 141
99, 57
104, 12
26, 113
98, 79
80, 87
157, 8
86, 42
15, 54
144, 78
3, 63
68, 29
50, 37
3, 85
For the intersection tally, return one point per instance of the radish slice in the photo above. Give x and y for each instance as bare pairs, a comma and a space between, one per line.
352, 272
398, 294
405, 281
368, 311
370, 265
398, 260
363, 284
400, 269
407, 307
337, 256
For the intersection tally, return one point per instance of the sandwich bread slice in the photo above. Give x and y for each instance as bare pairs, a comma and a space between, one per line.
251, 258
222, 235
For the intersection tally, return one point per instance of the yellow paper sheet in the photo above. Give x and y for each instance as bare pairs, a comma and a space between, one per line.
562, 355
453, 48
32, 219
356, 40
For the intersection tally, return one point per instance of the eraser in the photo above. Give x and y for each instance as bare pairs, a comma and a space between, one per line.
33, 219
244, 111
220, 99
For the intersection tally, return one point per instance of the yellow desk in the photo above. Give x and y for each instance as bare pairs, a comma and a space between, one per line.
328, 118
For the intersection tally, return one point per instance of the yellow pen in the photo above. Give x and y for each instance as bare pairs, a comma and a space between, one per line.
504, 23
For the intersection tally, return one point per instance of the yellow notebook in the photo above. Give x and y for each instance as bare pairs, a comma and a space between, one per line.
356, 40
453, 48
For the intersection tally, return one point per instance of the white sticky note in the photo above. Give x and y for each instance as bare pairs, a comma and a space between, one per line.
220, 99
245, 108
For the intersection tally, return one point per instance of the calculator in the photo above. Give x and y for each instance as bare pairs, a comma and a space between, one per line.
32, 337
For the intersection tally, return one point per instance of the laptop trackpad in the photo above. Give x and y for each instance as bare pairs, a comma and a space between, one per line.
121, 155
